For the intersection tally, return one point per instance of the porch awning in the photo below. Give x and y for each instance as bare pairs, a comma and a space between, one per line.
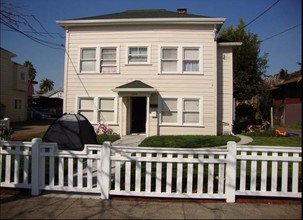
135, 86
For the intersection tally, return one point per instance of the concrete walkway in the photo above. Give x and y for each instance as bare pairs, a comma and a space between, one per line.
45, 207
244, 139
130, 140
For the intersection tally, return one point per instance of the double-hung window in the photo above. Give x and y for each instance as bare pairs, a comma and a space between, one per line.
169, 111
191, 111
138, 55
181, 60
18, 104
181, 111
97, 109
169, 59
108, 63
88, 60
86, 108
106, 110
190, 60
102, 59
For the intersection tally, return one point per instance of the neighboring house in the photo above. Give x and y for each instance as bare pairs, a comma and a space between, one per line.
54, 94
287, 101
150, 71
14, 87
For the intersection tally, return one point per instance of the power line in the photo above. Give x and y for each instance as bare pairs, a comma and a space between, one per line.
36, 32
262, 13
282, 32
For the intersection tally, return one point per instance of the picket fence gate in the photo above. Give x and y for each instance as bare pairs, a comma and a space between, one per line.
210, 173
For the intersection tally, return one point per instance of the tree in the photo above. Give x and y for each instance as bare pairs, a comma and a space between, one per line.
31, 70
248, 65
46, 85
283, 74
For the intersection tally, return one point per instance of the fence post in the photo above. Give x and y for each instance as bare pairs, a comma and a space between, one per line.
231, 169
105, 170
35, 175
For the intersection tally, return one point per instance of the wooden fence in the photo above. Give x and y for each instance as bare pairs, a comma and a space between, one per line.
153, 172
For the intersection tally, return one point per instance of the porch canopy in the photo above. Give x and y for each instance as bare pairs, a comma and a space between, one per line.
135, 86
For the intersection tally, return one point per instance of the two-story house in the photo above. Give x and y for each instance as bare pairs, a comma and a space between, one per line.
156, 72
13, 87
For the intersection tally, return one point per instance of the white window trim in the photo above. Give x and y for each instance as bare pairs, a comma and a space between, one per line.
96, 107
180, 49
180, 100
138, 63
98, 48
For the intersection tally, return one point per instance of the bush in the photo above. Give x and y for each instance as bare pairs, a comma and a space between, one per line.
187, 141
104, 137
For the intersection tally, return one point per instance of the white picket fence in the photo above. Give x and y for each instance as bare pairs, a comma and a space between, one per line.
153, 172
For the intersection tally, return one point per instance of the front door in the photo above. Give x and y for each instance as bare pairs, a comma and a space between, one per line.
138, 115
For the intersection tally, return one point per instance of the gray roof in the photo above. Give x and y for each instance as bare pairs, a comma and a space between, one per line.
155, 13
137, 84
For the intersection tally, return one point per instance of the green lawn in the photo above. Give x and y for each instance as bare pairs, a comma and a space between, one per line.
277, 141
187, 141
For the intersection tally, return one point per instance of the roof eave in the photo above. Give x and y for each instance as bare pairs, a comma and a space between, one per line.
128, 21
230, 44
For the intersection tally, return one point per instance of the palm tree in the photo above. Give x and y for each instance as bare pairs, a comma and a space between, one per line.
46, 85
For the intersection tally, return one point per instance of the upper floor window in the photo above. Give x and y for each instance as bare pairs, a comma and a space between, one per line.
88, 60
108, 60
138, 55
169, 60
190, 60
22, 76
107, 57
181, 60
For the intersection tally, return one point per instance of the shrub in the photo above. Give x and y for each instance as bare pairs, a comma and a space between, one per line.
104, 137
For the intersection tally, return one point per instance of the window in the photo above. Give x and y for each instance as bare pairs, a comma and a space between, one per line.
86, 108
169, 111
169, 59
102, 59
108, 60
18, 103
190, 60
97, 109
191, 111
22, 76
88, 60
181, 111
181, 59
106, 110
138, 55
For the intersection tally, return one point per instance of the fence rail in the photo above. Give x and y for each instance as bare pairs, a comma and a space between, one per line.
153, 172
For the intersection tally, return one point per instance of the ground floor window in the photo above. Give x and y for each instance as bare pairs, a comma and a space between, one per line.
97, 109
18, 103
181, 111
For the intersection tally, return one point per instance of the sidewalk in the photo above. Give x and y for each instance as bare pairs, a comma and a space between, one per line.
46, 207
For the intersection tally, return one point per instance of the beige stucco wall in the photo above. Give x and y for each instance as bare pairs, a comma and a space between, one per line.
198, 85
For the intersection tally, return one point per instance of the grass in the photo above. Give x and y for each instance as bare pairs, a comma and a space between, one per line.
187, 141
277, 141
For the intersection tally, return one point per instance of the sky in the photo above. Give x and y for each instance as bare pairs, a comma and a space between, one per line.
278, 23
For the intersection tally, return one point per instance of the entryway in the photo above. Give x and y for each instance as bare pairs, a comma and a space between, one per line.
138, 115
